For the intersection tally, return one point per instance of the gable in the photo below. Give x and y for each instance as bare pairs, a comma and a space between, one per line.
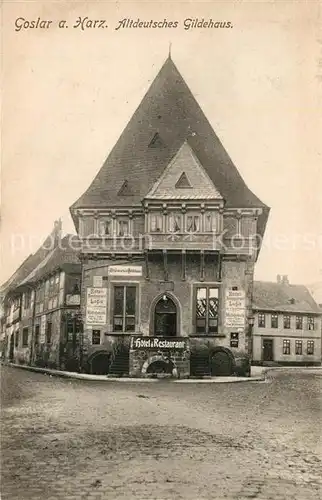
184, 178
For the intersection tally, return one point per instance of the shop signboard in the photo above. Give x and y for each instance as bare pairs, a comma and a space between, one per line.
72, 299
96, 306
159, 343
235, 309
97, 281
124, 271
42, 337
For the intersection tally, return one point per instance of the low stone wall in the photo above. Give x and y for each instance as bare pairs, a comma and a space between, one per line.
175, 363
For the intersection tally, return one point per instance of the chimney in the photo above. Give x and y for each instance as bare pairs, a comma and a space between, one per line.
57, 232
285, 280
278, 278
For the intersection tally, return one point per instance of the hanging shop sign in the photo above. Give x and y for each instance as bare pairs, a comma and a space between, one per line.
96, 306
124, 271
235, 309
161, 343
97, 281
72, 299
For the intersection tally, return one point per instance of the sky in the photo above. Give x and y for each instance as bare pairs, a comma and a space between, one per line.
68, 93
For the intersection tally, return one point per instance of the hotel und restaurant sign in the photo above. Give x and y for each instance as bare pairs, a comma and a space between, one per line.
161, 343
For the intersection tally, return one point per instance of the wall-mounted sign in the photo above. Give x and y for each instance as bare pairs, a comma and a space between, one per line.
97, 281
72, 299
96, 306
124, 271
235, 309
161, 343
234, 339
42, 336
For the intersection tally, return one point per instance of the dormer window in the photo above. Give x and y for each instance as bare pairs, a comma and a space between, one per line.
105, 227
123, 227
156, 223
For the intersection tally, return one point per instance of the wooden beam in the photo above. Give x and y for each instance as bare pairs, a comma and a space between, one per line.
183, 265
165, 265
202, 265
219, 266
147, 270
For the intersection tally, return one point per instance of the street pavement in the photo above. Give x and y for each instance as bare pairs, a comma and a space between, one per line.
80, 439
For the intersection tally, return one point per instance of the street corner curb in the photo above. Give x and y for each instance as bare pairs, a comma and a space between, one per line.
221, 380
106, 378
80, 376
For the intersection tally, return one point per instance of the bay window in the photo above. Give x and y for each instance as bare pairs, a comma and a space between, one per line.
156, 223
209, 222
193, 223
175, 222
105, 227
123, 227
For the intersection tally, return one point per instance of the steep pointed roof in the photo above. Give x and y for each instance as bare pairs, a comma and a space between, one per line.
170, 110
66, 252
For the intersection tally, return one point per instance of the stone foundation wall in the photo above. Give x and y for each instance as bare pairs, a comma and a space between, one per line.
140, 360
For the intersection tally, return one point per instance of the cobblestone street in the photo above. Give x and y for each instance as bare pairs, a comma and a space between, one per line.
72, 439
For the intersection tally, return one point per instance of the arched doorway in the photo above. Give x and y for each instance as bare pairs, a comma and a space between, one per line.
221, 363
165, 317
99, 363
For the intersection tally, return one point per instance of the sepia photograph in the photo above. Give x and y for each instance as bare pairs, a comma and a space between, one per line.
161, 250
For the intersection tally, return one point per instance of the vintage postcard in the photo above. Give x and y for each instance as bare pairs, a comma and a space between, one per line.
161, 243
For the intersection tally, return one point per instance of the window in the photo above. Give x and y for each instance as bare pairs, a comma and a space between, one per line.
123, 228
175, 222
48, 332
261, 320
274, 321
124, 308
193, 223
70, 329
298, 347
17, 338
286, 347
207, 310
156, 223
105, 227
310, 347
310, 323
37, 334
299, 322
25, 337
27, 300
287, 321
96, 337
209, 223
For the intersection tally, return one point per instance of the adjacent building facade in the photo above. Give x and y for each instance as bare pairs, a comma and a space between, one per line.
169, 238
41, 308
287, 328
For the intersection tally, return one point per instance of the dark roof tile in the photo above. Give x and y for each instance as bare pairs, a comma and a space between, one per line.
169, 109
283, 298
